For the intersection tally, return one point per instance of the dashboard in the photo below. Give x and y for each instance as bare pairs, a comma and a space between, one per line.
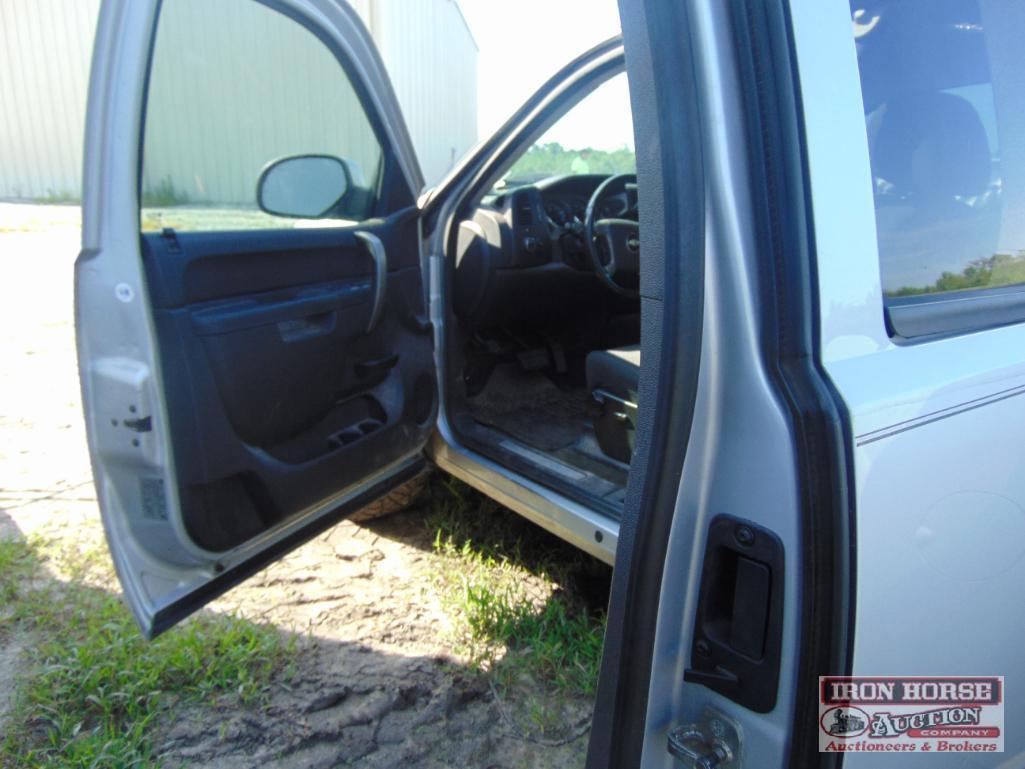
527, 241
565, 199
565, 209
564, 213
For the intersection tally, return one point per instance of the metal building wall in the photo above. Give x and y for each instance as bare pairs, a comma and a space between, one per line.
233, 86
432, 60
45, 48
44, 62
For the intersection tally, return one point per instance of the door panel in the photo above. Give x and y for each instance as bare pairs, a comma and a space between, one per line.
285, 396
243, 389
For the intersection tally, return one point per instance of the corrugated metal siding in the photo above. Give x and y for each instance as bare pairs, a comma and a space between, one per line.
428, 48
45, 48
235, 85
44, 63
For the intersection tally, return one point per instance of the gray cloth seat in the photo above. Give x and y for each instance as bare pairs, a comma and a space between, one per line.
616, 371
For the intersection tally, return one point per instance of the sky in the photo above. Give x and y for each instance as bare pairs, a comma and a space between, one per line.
523, 43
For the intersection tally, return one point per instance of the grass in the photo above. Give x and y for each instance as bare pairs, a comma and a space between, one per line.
526, 610
17, 563
59, 197
553, 642
94, 688
525, 607
164, 194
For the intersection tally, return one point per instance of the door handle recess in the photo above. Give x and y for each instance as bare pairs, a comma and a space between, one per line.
738, 630
380, 287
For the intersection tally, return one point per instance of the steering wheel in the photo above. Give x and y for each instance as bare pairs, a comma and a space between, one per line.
613, 245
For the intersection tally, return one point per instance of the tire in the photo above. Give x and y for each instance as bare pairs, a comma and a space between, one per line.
394, 501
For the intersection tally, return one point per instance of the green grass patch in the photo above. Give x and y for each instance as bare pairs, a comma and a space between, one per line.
553, 642
526, 607
93, 687
17, 564
164, 193
60, 197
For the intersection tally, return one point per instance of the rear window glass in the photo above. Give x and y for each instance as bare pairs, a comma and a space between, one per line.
944, 100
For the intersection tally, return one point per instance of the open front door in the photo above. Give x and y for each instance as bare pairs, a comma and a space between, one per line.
247, 381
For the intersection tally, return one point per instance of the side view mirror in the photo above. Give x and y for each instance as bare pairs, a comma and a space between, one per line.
306, 187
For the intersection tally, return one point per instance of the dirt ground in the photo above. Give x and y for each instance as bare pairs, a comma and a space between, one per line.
377, 683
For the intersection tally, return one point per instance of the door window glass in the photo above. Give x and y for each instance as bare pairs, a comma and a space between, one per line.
944, 99
234, 88
594, 137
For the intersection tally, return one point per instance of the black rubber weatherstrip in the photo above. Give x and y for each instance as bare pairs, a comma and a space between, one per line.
663, 93
820, 424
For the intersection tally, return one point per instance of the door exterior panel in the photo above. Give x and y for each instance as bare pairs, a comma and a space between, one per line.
937, 427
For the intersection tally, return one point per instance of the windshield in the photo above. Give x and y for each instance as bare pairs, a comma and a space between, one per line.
594, 137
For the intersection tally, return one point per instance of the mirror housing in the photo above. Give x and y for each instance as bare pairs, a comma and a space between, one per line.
310, 187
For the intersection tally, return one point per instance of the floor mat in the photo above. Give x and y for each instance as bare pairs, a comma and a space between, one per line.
529, 407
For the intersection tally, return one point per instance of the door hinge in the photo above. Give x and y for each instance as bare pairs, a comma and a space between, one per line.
714, 742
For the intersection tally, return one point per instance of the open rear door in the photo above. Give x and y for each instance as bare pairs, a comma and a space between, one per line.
246, 380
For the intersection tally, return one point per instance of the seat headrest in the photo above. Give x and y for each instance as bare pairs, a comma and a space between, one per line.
931, 145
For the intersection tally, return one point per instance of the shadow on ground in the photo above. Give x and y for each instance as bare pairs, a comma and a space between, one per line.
365, 681
450, 510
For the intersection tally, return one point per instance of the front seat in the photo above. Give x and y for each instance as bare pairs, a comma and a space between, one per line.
612, 377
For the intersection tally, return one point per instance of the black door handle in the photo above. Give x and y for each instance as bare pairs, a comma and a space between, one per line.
739, 625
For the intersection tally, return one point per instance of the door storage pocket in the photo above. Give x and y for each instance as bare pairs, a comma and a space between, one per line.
346, 423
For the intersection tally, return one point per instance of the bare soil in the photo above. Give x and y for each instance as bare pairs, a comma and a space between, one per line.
376, 681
